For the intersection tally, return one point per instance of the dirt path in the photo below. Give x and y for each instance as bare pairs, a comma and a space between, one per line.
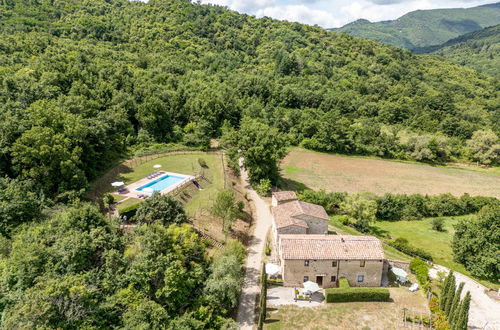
250, 290
484, 311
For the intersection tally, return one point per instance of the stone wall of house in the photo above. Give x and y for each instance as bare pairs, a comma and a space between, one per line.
292, 230
316, 225
295, 270
371, 272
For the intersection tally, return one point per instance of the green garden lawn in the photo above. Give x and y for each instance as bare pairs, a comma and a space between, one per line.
419, 233
182, 164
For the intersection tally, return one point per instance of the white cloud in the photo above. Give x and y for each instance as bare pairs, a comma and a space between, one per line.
300, 13
335, 13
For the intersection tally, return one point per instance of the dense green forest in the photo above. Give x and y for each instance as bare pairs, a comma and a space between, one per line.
80, 82
84, 82
479, 50
423, 28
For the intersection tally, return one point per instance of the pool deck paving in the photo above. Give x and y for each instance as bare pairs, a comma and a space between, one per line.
131, 189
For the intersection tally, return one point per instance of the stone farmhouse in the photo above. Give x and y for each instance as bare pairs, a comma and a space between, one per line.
292, 216
326, 258
307, 253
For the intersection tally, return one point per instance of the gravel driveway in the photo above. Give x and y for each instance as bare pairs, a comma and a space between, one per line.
484, 311
263, 218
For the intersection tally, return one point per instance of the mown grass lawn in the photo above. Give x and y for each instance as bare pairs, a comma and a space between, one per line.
354, 315
129, 202
185, 164
177, 163
420, 234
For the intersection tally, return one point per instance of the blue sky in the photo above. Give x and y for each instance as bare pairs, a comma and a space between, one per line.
335, 13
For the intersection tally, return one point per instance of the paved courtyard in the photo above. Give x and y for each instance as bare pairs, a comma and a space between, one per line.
280, 295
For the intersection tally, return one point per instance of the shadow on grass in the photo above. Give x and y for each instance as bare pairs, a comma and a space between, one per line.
269, 321
290, 184
376, 231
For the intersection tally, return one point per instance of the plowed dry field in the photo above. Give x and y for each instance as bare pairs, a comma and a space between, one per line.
350, 174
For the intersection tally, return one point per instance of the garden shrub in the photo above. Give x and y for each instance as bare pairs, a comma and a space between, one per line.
421, 270
437, 224
403, 245
264, 187
357, 294
343, 283
202, 162
330, 201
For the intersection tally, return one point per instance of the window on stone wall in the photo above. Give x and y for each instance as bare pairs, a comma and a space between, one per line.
361, 263
361, 278
306, 263
306, 278
334, 264
334, 278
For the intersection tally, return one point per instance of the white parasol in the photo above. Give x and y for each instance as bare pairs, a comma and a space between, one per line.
118, 184
157, 166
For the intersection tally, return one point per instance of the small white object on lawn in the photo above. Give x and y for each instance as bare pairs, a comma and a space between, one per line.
157, 166
311, 286
118, 184
413, 287
272, 269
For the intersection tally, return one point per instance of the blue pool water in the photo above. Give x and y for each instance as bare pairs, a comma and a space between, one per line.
162, 183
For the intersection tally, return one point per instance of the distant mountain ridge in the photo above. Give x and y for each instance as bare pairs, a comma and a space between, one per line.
424, 28
479, 50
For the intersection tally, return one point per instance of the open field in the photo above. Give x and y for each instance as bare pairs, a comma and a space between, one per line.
357, 315
330, 172
420, 234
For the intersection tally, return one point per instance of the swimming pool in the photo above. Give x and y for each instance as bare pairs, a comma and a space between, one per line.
163, 183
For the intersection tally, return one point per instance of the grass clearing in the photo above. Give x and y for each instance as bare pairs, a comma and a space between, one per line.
315, 170
419, 233
357, 315
129, 202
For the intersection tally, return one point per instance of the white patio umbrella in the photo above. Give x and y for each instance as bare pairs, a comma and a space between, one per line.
148, 190
311, 286
157, 166
272, 269
118, 184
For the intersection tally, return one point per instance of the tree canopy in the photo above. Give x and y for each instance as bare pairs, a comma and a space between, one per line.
476, 243
82, 82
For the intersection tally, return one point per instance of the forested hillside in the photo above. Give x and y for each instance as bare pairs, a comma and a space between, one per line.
423, 28
479, 50
81, 82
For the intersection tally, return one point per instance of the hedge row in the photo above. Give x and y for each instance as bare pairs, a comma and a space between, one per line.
356, 294
405, 207
421, 270
409, 207
404, 246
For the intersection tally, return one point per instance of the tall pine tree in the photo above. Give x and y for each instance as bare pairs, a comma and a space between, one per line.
444, 289
450, 294
455, 306
463, 318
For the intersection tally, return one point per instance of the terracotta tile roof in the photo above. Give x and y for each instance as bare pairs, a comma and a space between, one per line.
326, 247
287, 214
284, 195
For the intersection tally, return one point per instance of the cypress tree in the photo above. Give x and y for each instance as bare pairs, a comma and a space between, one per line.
450, 295
444, 289
455, 310
463, 318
